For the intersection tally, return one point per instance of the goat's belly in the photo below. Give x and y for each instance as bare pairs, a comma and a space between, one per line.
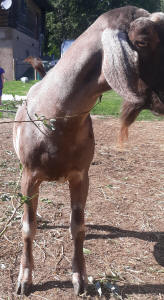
71, 174
65, 163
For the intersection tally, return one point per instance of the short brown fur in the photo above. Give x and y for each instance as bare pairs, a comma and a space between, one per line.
65, 96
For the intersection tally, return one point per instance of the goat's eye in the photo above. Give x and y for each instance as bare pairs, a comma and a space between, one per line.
141, 43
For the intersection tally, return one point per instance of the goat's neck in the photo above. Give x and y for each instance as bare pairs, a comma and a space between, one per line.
74, 84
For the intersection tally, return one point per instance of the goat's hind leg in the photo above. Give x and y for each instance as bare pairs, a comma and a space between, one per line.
30, 189
78, 190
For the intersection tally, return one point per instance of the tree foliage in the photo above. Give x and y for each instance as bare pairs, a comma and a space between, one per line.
162, 5
70, 18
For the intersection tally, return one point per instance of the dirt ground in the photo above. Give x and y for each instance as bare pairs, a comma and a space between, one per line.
124, 246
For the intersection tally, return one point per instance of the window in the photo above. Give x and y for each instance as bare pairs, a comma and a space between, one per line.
23, 6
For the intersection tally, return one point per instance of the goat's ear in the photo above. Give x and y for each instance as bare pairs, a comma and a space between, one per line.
158, 19
120, 64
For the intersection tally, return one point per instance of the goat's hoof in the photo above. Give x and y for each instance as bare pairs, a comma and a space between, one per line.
79, 288
23, 288
79, 283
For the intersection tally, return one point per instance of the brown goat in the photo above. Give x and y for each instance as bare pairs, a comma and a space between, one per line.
122, 50
36, 64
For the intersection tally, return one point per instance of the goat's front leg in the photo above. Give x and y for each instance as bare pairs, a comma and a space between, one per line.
30, 188
78, 190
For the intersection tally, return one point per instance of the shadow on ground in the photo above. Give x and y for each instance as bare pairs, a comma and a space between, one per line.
157, 237
123, 290
113, 233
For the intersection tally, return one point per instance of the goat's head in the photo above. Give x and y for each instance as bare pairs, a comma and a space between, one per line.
147, 37
135, 66
144, 37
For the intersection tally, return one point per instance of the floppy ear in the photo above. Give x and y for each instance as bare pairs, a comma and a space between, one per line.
121, 56
120, 68
120, 64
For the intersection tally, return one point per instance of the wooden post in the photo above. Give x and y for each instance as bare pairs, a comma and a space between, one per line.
13, 69
35, 74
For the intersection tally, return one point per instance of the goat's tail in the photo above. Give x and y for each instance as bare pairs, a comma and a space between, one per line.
36, 64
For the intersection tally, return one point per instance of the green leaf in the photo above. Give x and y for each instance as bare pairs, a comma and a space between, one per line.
86, 251
109, 185
46, 200
20, 167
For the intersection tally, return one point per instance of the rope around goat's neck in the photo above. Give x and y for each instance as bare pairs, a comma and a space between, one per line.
46, 119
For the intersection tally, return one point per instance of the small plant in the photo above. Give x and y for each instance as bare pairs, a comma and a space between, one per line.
46, 200
3, 164
107, 282
5, 197
50, 124
19, 196
23, 199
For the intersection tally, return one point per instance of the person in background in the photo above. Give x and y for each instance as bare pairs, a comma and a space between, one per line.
1, 83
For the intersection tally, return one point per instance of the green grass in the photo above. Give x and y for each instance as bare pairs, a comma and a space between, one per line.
17, 87
109, 106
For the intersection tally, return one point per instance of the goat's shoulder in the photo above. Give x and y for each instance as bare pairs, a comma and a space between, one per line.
34, 89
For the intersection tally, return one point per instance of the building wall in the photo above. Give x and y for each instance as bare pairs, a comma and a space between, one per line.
6, 52
20, 36
15, 46
24, 16
23, 46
